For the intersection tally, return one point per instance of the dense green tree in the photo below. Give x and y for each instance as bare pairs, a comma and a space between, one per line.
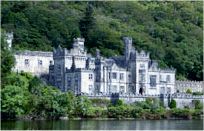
48, 105
35, 86
14, 101
82, 106
172, 31
198, 104
87, 22
172, 104
7, 58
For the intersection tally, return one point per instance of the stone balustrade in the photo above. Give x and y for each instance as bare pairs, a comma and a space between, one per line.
176, 95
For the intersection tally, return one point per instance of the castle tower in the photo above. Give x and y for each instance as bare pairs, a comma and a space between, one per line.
79, 43
128, 47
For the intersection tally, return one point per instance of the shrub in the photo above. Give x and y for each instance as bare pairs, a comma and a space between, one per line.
172, 104
142, 104
197, 93
182, 113
96, 112
119, 102
189, 91
198, 104
100, 102
197, 113
123, 111
13, 101
136, 112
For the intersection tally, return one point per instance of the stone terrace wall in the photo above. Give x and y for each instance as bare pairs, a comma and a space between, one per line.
182, 100
195, 86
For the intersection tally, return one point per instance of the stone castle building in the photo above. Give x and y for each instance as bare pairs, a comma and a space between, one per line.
35, 62
132, 73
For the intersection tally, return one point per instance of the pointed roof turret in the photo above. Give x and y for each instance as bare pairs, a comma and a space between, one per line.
59, 47
98, 55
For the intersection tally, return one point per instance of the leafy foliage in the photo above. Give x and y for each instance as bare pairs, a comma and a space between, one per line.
197, 93
189, 91
198, 104
172, 104
7, 59
14, 101
27, 96
170, 30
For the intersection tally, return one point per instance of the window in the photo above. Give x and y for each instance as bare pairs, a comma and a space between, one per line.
97, 89
121, 76
168, 78
141, 75
40, 62
122, 89
114, 75
59, 67
153, 80
114, 89
162, 90
27, 62
162, 78
90, 76
68, 81
168, 90
142, 65
76, 83
90, 88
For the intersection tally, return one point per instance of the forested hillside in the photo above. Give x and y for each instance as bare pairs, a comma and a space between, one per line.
171, 31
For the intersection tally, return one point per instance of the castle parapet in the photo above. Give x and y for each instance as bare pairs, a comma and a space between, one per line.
142, 55
34, 53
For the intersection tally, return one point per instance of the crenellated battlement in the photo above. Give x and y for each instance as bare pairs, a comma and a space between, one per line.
79, 70
34, 53
195, 86
142, 54
172, 70
189, 81
79, 40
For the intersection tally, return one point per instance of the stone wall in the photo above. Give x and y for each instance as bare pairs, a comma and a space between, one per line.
35, 62
195, 86
182, 100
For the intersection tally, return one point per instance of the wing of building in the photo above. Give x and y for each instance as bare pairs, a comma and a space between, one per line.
133, 73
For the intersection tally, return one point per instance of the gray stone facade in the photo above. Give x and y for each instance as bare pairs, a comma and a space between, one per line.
132, 73
35, 62
98, 77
